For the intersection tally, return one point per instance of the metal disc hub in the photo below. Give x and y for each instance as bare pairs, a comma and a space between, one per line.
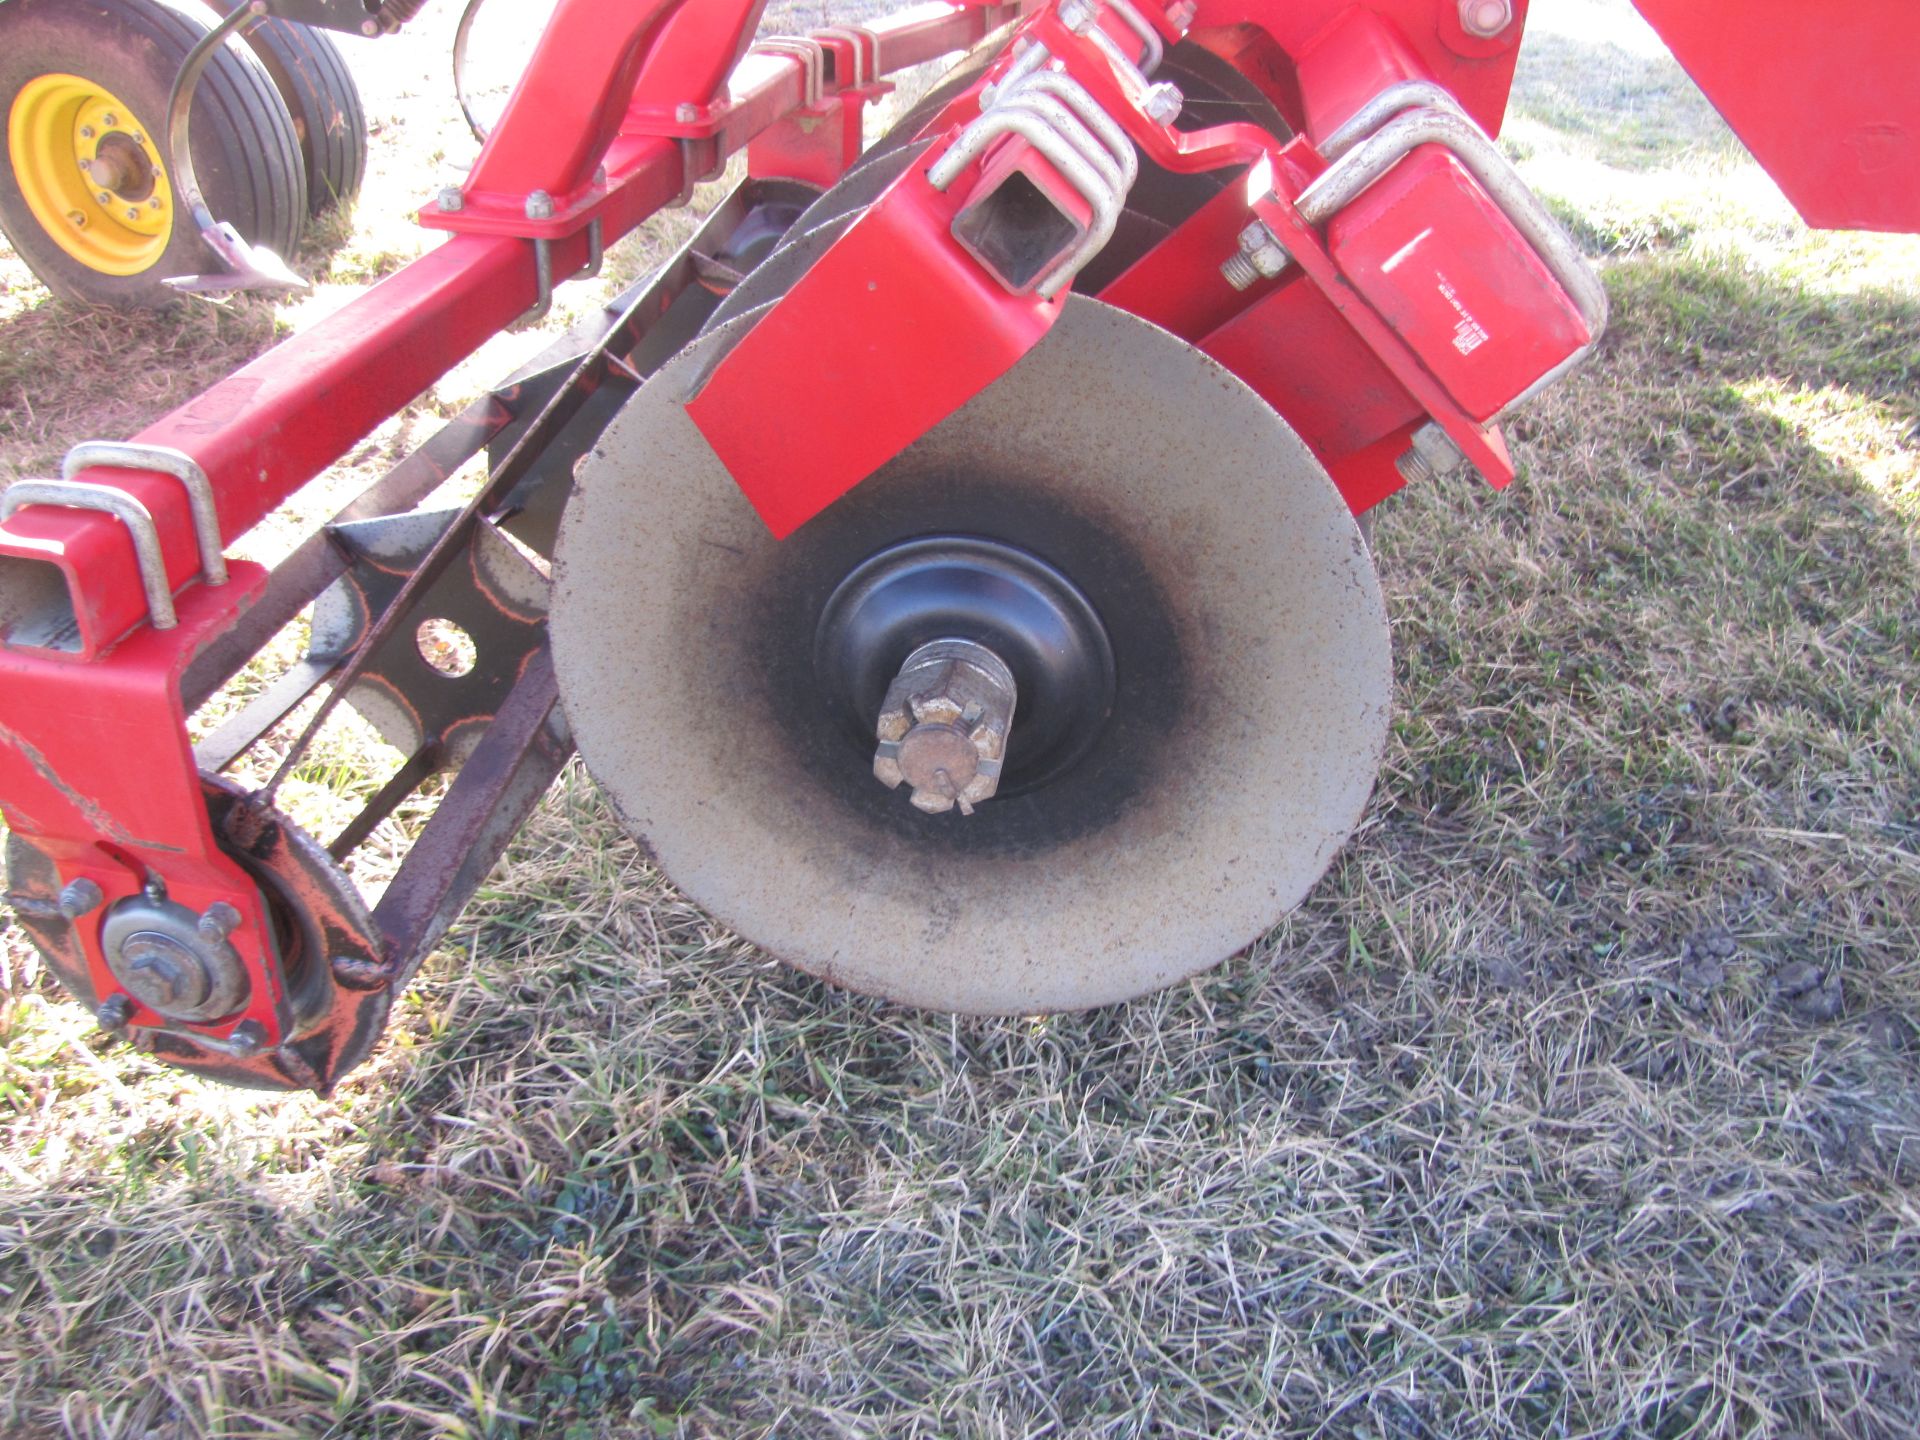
1032, 619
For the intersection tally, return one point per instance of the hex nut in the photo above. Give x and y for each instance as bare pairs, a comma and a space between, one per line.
1163, 103
943, 726
1485, 19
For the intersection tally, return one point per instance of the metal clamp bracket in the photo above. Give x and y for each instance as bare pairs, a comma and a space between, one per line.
1366, 160
866, 51
79, 495
1058, 117
163, 460
1406, 95
1152, 48
543, 269
812, 56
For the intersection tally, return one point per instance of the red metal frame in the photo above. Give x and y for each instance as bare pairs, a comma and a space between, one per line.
623, 107
95, 766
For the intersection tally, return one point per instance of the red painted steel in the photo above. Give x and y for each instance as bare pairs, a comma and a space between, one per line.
889, 332
1826, 96
1446, 269
95, 766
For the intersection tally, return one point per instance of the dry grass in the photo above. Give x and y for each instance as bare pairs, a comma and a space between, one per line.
1581, 1099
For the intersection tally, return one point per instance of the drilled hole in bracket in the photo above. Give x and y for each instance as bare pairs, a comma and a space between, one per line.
447, 648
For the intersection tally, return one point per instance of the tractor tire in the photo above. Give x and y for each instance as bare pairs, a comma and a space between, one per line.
85, 83
313, 80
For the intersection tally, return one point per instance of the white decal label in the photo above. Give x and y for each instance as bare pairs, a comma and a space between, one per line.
1468, 333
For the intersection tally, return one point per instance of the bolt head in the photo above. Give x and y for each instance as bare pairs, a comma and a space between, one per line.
109, 120
1433, 453
86, 132
103, 197
218, 921
1077, 15
114, 1013
138, 138
450, 198
539, 206
1485, 19
82, 895
154, 203
686, 113
133, 212
943, 726
1163, 103
1264, 252
246, 1038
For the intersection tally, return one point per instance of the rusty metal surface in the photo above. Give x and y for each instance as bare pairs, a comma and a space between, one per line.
338, 988
1252, 661
491, 592
317, 562
495, 791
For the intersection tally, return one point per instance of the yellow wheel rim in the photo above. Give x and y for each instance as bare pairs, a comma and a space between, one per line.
91, 172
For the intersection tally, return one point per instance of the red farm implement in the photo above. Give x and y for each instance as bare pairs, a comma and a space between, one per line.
950, 565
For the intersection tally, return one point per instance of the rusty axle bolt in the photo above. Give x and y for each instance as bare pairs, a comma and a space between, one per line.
943, 726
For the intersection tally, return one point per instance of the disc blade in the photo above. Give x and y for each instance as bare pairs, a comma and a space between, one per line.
1250, 680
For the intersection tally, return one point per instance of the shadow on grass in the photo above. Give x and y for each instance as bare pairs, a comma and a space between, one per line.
70, 372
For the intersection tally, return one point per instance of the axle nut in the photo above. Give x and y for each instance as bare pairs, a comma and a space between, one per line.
943, 726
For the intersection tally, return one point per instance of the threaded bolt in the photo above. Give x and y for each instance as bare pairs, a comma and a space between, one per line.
114, 1013
1238, 270
79, 897
1413, 467
1261, 256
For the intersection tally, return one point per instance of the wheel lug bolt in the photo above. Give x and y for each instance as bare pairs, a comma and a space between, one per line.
109, 120
86, 132
943, 726
154, 203
133, 212
103, 197
114, 1013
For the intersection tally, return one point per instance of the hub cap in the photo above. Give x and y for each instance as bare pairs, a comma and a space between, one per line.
91, 173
